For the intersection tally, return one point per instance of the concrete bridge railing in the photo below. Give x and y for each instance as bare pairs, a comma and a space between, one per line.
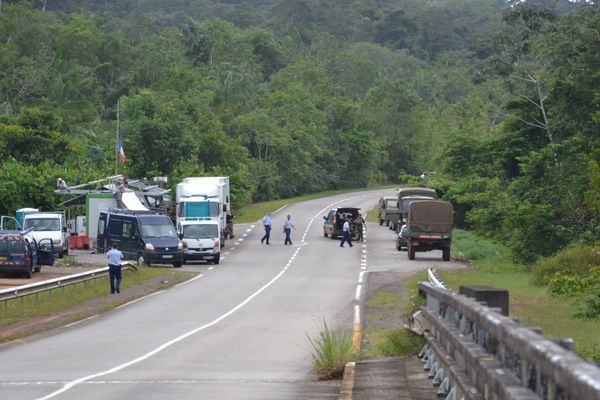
475, 352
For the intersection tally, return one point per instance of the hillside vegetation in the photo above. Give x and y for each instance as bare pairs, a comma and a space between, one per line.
500, 98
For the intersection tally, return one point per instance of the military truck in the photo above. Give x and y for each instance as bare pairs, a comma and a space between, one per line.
430, 227
415, 193
388, 211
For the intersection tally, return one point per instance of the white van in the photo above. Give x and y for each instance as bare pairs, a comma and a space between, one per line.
201, 239
49, 225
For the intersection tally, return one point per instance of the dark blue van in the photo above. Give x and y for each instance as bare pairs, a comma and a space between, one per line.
146, 237
21, 253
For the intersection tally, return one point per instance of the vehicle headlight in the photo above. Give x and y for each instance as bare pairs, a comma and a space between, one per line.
179, 246
149, 247
217, 244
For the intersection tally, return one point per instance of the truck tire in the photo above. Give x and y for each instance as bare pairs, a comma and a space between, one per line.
177, 265
411, 251
216, 260
446, 254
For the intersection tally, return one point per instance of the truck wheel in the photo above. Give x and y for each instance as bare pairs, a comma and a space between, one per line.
216, 260
446, 254
177, 265
411, 252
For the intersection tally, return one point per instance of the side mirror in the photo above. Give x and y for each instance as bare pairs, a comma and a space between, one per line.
64, 229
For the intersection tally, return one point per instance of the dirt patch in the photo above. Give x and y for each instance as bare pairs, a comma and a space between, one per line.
43, 324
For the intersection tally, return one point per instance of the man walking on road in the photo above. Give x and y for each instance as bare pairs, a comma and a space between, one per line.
114, 268
287, 229
346, 237
267, 225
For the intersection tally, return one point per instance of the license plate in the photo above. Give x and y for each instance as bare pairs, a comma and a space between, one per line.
168, 256
207, 257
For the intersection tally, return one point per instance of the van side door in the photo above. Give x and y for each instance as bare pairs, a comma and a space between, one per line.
129, 238
45, 252
101, 237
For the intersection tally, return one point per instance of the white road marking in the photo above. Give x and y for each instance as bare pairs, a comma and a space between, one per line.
164, 346
140, 299
80, 321
357, 314
357, 293
248, 230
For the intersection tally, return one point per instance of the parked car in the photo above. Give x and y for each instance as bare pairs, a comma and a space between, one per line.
334, 223
402, 238
21, 253
147, 237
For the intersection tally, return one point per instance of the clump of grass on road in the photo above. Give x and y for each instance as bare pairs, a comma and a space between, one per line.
331, 353
394, 342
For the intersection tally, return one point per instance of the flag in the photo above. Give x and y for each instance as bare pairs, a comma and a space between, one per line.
120, 151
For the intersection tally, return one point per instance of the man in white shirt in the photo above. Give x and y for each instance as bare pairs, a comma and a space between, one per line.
114, 268
346, 233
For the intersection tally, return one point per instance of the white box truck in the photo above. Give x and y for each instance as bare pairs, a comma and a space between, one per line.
203, 197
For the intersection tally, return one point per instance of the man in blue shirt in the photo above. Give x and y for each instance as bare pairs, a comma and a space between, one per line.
114, 268
346, 237
287, 229
267, 225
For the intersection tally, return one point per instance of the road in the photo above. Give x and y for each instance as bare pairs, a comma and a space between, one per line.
238, 331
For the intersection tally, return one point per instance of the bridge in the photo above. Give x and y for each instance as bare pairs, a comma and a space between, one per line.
474, 352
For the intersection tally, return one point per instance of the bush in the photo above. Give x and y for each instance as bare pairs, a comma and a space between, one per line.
331, 353
590, 308
575, 261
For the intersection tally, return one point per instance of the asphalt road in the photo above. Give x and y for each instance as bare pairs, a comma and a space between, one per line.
238, 331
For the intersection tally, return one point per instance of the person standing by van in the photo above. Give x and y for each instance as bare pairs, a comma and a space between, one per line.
114, 268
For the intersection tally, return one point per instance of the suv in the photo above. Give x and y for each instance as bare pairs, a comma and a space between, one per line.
147, 237
334, 222
21, 253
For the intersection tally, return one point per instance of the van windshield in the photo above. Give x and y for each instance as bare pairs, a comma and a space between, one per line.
158, 230
43, 224
200, 231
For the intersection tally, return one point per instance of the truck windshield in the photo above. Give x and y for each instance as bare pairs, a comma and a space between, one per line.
162, 230
407, 201
202, 231
43, 224
391, 203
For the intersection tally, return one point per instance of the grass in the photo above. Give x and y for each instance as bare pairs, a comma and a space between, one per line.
386, 313
47, 303
331, 353
529, 302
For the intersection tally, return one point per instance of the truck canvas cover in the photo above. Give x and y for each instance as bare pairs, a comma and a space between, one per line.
416, 191
430, 216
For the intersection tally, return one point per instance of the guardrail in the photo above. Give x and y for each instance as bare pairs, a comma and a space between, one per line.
19, 292
473, 352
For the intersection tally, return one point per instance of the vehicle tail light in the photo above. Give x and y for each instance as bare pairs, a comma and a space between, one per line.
334, 219
27, 258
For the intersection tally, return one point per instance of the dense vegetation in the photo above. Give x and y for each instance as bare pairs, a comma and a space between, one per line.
287, 97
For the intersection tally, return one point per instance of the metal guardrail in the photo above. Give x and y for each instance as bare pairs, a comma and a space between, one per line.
474, 352
51, 284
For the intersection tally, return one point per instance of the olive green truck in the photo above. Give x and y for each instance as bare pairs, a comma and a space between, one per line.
430, 227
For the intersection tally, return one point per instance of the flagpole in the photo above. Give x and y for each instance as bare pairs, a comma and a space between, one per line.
118, 141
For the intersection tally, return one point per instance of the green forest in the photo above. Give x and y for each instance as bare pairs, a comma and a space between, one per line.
287, 97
